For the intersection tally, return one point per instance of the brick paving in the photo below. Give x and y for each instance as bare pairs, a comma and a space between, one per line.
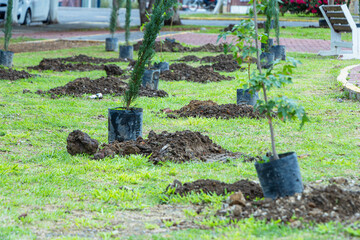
292, 44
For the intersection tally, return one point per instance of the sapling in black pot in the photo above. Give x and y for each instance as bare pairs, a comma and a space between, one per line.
279, 175
125, 123
6, 57
126, 51
243, 49
111, 44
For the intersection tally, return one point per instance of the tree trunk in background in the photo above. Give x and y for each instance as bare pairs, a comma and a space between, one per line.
175, 19
54, 5
144, 10
116, 3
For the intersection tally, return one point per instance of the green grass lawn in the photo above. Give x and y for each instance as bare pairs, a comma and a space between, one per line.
74, 197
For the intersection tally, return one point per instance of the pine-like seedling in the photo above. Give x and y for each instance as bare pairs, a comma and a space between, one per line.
8, 25
114, 16
127, 21
146, 51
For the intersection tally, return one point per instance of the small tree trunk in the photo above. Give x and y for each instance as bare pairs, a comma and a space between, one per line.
175, 19
272, 135
218, 6
143, 10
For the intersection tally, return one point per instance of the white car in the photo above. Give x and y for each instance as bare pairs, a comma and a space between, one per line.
28, 11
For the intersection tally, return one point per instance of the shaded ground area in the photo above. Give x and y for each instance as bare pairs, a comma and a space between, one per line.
49, 45
210, 109
201, 74
316, 204
103, 85
169, 46
179, 147
250, 189
11, 74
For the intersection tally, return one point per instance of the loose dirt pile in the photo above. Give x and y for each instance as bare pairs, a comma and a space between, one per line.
316, 204
88, 59
201, 74
103, 85
168, 46
79, 142
61, 66
113, 70
11, 74
210, 109
250, 190
189, 58
229, 66
177, 147
218, 58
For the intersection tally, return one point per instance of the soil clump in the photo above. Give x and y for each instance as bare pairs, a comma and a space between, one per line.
11, 74
113, 70
188, 58
61, 66
103, 85
316, 204
217, 58
251, 190
79, 142
229, 66
179, 147
209, 47
81, 58
210, 109
169, 46
201, 74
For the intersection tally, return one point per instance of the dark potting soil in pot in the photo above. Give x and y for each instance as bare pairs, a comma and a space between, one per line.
251, 190
11, 74
210, 109
61, 66
181, 146
316, 204
201, 74
104, 85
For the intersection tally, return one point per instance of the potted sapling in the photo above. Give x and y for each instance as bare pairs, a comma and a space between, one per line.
6, 57
279, 174
111, 43
243, 49
278, 50
126, 51
125, 123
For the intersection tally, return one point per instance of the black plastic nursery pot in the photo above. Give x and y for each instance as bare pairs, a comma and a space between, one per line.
244, 96
267, 59
270, 43
150, 78
280, 178
111, 44
279, 52
6, 58
126, 52
162, 66
124, 125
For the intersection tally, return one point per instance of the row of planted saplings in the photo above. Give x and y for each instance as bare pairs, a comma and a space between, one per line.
279, 174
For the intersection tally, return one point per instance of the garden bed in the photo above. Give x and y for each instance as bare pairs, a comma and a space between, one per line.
178, 147
11, 74
184, 72
104, 85
210, 109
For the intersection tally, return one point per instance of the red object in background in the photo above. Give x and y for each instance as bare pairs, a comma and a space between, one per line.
71, 3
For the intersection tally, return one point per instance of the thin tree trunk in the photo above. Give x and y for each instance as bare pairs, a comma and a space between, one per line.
272, 135
175, 19
143, 10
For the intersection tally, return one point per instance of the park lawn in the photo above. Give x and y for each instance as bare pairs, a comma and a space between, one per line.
74, 197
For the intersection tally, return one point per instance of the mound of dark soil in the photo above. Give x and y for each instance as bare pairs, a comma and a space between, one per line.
11, 74
250, 190
61, 66
104, 85
176, 147
201, 74
88, 59
209, 47
218, 58
317, 204
210, 109
166, 46
189, 58
229, 66
113, 70
79, 142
